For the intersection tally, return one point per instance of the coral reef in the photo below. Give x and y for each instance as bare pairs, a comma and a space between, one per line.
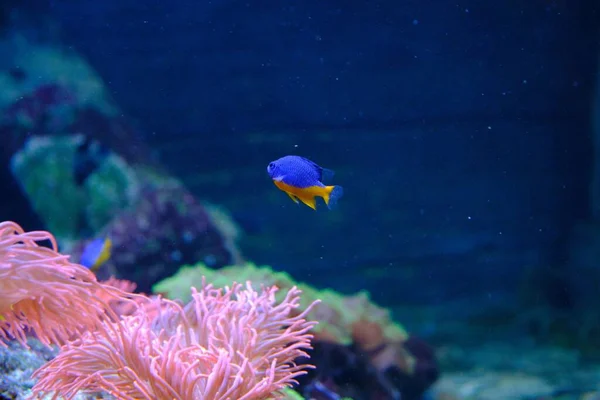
45, 169
165, 227
225, 343
336, 323
17, 364
122, 201
86, 171
358, 350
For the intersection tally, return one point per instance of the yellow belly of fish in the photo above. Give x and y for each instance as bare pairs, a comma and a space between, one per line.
306, 195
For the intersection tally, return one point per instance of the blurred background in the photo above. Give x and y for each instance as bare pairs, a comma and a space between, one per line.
466, 135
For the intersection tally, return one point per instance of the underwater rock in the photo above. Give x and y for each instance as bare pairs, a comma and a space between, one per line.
515, 369
347, 371
165, 227
494, 386
17, 364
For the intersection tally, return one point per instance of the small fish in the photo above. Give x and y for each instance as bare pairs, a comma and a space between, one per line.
96, 253
302, 180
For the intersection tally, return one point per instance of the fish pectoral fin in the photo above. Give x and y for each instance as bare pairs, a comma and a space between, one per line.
294, 198
309, 201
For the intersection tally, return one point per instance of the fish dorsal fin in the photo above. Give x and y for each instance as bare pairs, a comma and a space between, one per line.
324, 173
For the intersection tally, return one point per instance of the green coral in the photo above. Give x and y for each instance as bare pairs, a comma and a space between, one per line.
336, 313
111, 188
44, 169
291, 394
178, 285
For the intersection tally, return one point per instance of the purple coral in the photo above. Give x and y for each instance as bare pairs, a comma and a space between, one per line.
166, 228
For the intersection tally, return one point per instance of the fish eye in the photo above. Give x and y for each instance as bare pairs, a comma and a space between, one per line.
271, 165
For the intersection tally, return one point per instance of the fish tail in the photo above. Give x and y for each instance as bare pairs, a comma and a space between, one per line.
332, 195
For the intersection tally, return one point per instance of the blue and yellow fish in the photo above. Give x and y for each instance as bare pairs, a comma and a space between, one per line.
96, 253
302, 180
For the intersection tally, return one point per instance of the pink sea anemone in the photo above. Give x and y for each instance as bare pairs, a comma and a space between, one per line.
44, 294
234, 343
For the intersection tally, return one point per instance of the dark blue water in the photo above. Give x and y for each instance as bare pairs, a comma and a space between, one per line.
465, 135
460, 130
